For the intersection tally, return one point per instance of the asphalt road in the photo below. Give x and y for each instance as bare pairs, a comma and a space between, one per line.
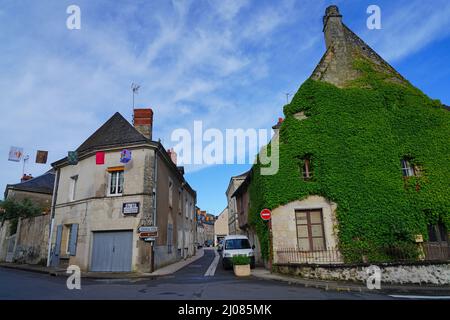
190, 283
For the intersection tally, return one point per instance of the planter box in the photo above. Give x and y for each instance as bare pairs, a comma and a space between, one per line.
242, 270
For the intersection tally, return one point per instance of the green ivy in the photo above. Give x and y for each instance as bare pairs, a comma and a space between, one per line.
356, 137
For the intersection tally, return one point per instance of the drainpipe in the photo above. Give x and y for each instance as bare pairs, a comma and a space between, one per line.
155, 181
55, 194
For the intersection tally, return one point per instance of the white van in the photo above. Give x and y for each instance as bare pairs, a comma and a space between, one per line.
235, 245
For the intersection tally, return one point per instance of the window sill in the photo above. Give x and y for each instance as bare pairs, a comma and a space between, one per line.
114, 195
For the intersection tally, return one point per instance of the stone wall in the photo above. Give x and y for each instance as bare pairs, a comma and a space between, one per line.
32, 240
415, 273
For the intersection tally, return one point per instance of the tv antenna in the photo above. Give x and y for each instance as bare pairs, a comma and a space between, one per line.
134, 88
25, 159
287, 97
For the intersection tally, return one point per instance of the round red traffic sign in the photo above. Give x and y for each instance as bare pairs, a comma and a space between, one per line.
265, 214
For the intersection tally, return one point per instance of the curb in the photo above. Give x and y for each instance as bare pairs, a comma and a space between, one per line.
100, 276
353, 288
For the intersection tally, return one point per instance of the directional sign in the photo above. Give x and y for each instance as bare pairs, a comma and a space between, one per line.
148, 229
265, 214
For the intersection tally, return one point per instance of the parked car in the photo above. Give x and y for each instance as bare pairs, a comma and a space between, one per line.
237, 245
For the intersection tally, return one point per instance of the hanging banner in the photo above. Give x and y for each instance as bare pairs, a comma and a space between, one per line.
72, 157
125, 156
100, 157
15, 154
41, 156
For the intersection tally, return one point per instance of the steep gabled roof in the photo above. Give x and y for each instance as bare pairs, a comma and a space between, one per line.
116, 131
344, 47
41, 184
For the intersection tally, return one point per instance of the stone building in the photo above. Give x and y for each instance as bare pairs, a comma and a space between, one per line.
102, 202
233, 222
28, 241
221, 226
351, 169
38, 190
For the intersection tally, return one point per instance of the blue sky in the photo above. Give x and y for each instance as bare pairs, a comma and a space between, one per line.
228, 63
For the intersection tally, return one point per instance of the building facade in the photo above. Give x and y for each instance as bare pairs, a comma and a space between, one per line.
106, 201
221, 226
233, 222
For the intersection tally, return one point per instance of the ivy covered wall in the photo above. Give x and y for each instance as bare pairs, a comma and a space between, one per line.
356, 137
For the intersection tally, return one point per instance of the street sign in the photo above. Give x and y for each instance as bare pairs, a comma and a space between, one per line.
148, 229
265, 214
148, 232
130, 208
149, 239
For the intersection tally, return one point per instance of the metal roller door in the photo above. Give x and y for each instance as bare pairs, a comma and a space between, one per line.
112, 251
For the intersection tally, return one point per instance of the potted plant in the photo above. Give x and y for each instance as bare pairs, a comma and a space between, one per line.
241, 265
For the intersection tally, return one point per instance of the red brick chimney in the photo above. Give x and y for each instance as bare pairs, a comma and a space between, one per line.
143, 121
26, 177
173, 155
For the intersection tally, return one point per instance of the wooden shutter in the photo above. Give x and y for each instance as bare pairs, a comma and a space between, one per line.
59, 230
73, 239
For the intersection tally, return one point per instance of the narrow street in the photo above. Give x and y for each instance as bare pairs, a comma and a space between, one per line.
189, 283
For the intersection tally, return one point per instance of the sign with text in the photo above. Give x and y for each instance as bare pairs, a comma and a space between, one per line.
130, 208
148, 232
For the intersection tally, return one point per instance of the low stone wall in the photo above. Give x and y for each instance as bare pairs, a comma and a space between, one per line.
436, 273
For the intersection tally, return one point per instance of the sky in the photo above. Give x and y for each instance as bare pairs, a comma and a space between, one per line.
227, 63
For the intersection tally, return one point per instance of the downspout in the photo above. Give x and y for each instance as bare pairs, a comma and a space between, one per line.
155, 181
55, 194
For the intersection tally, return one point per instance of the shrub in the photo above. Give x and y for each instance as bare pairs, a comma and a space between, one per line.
240, 260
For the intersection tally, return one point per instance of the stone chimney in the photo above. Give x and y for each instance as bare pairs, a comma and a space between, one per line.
143, 121
333, 27
172, 155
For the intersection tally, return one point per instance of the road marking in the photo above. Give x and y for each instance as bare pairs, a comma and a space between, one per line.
421, 297
212, 268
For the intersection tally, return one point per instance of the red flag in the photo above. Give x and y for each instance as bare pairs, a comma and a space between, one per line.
100, 157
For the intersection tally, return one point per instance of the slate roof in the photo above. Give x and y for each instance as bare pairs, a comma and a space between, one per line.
41, 184
116, 131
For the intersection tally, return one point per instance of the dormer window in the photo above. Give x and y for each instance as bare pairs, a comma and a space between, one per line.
307, 172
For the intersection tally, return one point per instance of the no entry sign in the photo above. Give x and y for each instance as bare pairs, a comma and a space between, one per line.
265, 214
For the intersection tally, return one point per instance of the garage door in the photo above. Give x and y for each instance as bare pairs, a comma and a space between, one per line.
112, 251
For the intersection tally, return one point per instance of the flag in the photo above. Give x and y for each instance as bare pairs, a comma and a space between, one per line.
125, 156
72, 157
15, 154
100, 157
41, 156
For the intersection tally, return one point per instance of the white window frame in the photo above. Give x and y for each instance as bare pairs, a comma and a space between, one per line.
407, 168
110, 175
73, 187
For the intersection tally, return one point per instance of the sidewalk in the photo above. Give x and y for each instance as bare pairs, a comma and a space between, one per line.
265, 274
164, 271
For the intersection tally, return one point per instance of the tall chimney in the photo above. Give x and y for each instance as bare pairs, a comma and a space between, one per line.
333, 27
143, 121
